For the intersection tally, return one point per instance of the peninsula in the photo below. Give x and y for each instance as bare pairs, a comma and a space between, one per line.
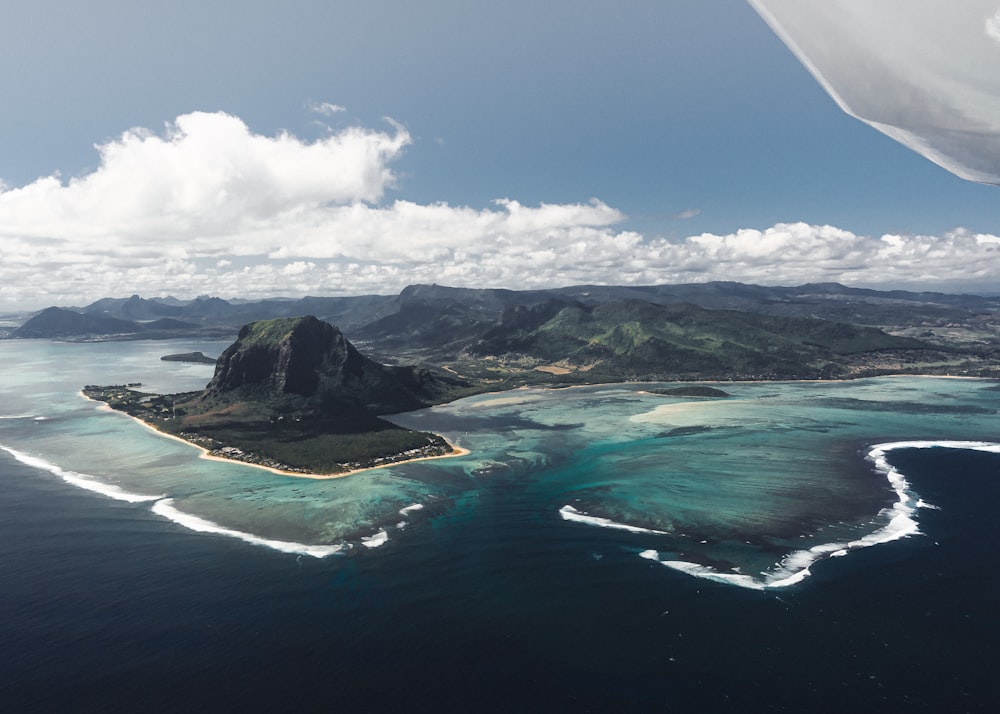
293, 395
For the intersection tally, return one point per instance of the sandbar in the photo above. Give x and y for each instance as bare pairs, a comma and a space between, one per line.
664, 412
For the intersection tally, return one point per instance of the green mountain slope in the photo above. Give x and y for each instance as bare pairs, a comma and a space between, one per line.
638, 339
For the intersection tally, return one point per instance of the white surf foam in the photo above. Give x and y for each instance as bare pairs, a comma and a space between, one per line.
374, 541
900, 522
165, 508
571, 514
410, 509
80, 480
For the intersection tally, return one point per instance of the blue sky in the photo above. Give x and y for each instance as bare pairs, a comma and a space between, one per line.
677, 118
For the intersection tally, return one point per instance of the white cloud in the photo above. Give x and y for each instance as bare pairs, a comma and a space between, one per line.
207, 175
327, 109
992, 27
210, 207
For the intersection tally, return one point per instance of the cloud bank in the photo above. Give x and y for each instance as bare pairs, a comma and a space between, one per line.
209, 207
924, 73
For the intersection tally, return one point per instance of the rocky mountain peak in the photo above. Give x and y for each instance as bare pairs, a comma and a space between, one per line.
307, 364
284, 356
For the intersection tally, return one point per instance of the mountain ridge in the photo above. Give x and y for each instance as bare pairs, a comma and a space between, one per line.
450, 326
640, 340
350, 313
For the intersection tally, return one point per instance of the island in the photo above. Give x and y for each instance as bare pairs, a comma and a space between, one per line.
695, 390
193, 357
293, 395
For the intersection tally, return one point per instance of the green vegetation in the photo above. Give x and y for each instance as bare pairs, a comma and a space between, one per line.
293, 394
267, 332
697, 390
311, 445
640, 340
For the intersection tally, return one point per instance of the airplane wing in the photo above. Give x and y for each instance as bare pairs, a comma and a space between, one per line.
924, 72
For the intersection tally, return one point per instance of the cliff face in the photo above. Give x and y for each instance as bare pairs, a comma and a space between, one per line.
305, 363
284, 356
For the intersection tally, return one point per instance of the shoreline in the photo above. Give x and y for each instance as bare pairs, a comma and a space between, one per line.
830, 380
457, 450
208, 456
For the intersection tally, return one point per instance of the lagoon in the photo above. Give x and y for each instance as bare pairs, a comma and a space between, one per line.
749, 490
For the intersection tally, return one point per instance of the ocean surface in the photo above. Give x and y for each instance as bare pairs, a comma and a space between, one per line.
794, 547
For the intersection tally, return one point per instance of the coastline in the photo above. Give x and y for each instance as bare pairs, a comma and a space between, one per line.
208, 456
893, 522
457, 451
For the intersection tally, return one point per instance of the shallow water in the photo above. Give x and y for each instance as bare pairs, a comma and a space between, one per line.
734, 486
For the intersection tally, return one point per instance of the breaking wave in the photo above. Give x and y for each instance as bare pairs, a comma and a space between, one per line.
899, 522
165, 507
571, 514
80, 480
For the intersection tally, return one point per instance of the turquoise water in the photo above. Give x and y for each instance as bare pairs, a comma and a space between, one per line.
749, 489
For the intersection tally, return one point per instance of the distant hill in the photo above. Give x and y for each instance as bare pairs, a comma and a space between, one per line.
453, 326
59, 322
133, 308
136, 317
636, 339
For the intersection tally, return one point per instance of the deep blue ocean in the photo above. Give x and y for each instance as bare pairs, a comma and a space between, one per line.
490, 599
105, 607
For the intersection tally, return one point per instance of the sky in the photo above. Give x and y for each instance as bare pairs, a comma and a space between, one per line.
341, 148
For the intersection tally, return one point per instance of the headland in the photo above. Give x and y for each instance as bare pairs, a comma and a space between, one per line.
291, 395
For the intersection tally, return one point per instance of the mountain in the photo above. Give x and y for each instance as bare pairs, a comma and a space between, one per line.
643, 340
427, 327
305, 366
204, 316
488, 303
133, 308
55, 322
293, 394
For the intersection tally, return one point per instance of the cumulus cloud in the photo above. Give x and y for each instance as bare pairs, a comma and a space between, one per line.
920, 72
208, 206
207, 175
